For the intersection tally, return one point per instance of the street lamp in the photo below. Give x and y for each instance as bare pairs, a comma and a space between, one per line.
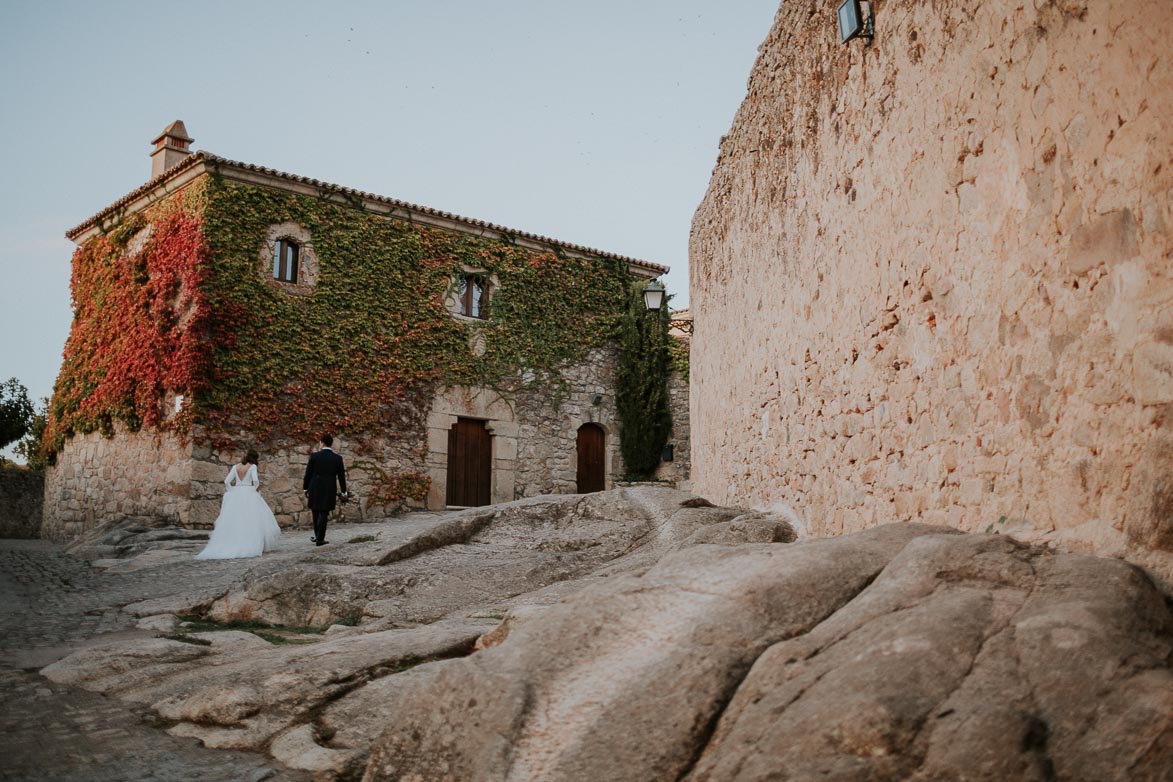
654, 300
654, 295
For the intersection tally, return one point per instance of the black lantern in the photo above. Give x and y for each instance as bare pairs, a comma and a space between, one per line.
654, 295
855, 20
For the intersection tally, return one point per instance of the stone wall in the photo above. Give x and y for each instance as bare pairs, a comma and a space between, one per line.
97, 479
534, 433
547, 454
678, 471
21, 500
931, 277
281, 470
534, 452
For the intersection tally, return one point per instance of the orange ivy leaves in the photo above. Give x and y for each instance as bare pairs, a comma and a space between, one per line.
141, 332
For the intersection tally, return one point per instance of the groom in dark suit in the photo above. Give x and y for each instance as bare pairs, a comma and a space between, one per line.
324, 475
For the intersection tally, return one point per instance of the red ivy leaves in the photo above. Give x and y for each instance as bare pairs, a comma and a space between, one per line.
141, 330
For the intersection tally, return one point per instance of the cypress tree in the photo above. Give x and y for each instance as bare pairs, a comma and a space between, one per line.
641, 394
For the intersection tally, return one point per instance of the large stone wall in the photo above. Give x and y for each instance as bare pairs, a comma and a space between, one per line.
21, 501
931, 278
97, 479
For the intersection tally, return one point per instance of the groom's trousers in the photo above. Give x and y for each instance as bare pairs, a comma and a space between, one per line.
320, 519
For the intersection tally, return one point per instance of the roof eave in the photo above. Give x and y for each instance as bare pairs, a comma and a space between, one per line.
200, 163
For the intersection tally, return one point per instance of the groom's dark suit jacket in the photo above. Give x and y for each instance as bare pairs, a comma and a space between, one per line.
323, 475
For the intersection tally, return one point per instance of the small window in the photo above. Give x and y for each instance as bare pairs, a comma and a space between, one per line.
473, 296
286, 253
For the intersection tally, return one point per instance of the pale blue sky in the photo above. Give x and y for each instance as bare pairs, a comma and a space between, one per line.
595, 123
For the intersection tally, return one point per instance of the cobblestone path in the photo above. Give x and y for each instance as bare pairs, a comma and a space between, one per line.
51, 604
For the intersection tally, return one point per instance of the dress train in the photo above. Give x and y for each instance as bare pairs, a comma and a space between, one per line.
246, 527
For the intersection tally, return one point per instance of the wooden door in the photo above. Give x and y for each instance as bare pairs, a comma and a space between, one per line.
591, 462
470, 471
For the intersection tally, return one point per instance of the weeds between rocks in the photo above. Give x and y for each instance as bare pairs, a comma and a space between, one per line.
278, 635
186, 639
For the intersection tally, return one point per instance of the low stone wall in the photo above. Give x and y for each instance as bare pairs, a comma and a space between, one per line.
280, 473
98, 479
22, 494
282, 470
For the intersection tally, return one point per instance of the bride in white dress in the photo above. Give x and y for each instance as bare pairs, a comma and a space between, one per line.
245, 527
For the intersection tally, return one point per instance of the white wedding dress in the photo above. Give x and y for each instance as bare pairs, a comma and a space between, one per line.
245, 527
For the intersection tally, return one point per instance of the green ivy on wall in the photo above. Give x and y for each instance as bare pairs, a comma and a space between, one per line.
365, 352
678, 350
196, 312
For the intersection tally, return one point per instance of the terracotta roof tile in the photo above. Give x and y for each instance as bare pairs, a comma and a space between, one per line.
216, 160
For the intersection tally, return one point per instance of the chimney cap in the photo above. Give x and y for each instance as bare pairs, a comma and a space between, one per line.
175, 130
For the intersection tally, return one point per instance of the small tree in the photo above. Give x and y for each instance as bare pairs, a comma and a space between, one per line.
641, 393
16, 412
30, 446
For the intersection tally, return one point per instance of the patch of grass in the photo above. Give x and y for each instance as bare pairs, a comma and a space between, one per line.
363, 539
196, 624
351, 620
498, 617
186, 639
1001, 520
283, 640
409, 662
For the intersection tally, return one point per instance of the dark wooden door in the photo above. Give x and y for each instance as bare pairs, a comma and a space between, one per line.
470, 471
591, 464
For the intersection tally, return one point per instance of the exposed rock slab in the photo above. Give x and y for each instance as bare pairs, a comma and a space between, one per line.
499, 552
968, 657
239, 691
645, 635
114, 544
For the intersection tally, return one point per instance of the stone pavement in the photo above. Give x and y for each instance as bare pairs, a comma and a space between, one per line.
52, 604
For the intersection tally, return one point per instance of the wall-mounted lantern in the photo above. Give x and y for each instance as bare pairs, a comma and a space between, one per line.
654, 300
654, 295
856, 20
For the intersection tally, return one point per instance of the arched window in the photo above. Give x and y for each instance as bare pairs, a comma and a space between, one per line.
286, 253
474, 298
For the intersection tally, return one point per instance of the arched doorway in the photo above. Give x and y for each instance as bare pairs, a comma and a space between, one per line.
470, 460
592, 470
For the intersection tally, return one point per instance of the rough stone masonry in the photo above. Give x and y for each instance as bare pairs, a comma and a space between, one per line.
931, 277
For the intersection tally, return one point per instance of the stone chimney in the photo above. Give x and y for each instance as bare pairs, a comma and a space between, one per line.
171, 147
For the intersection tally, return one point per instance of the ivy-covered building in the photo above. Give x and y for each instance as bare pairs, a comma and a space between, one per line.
224, 305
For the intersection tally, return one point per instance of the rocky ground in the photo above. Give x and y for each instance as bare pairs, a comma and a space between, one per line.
638, 634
